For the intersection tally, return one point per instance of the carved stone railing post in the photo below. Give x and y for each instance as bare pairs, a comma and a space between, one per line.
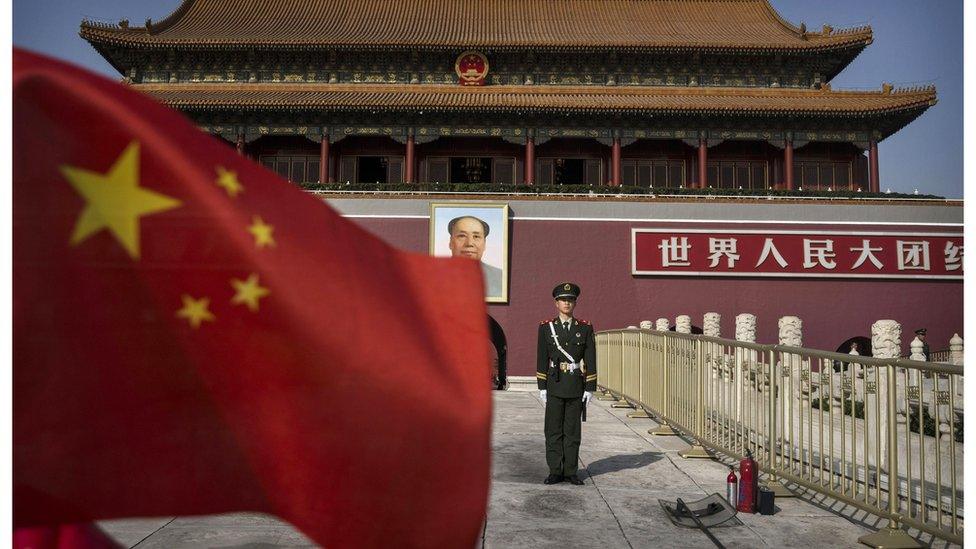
885, 344
682, 324
914, 376
662, 325
791, 334
845, 383
913, 389
955, 350
745, 330
745, 327
712, 327
646, 325
956, 358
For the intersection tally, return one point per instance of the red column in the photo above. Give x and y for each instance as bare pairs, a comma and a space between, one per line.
874, 185
410, 161
324, 176
702, 163
615, 162
529, 160
788, 164
240, 144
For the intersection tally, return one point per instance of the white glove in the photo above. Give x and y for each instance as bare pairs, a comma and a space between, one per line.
586, 397
542, 395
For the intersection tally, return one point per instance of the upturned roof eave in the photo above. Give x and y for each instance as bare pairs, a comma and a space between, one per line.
813, 47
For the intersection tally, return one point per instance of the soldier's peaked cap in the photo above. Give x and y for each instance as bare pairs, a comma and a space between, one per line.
566, 289
921, 331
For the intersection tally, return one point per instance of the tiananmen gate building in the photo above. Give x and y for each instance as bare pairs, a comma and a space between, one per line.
657, 94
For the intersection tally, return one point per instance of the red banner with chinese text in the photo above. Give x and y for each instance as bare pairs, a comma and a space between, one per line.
720, 252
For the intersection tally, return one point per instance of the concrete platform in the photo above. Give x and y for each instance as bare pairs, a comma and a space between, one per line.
625, 471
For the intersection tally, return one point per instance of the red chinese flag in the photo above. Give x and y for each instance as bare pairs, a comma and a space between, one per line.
194, 335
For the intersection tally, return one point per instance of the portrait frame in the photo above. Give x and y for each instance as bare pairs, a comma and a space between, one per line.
496, 250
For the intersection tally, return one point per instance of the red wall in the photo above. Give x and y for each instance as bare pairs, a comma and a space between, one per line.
596, 255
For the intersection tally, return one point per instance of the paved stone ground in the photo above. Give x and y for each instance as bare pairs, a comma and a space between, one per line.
625, 470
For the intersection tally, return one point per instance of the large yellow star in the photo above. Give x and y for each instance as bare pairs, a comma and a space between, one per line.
248, 292
115, 201
262, 233
196, 311
228, 180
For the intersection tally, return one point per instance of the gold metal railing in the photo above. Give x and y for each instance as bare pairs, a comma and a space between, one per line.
882, 435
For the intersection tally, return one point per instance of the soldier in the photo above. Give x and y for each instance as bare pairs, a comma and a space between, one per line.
566, 374
921, 333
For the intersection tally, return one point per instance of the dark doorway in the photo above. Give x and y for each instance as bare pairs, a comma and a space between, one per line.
372, 169
470, 170
861, 343
500, 367
569, 171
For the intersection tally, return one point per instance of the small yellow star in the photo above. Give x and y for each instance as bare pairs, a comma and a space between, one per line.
262, 233
248, 292
115, 201
228, 180
196, 311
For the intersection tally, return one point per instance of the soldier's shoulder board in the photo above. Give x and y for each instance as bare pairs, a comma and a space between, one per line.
544, 322
584, 322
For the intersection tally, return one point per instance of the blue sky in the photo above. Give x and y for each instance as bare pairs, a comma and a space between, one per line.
916, 42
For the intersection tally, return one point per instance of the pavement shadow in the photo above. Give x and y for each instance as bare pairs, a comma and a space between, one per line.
613, 464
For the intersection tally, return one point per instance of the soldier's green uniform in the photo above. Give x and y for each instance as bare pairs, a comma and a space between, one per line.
565, 378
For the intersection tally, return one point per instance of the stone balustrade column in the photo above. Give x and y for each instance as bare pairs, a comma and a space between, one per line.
745, 327
791, 334
914, 376
955, 350
646, 325
682, 324
956, 358
745, 330
885, 344
852, 378
712, 325
662, 325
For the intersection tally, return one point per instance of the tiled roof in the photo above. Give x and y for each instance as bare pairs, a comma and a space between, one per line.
719, 25
582, 99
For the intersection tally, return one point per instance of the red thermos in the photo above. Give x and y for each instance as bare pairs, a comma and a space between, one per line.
748, 484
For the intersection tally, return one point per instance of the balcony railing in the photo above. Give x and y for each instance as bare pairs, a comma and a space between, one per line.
883, 435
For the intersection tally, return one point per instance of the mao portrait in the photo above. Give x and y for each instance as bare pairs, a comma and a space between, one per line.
478, 232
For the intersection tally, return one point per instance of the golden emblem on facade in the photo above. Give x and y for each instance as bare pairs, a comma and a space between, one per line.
471, 68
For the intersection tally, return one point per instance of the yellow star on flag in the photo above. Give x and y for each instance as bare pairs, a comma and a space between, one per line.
248, 291
228, 180
262, 233
196, 311
115, 201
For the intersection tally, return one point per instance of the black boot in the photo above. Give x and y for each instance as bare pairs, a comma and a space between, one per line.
574, 480
553, 479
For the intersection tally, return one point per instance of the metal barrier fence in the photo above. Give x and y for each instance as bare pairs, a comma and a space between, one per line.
883, 435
